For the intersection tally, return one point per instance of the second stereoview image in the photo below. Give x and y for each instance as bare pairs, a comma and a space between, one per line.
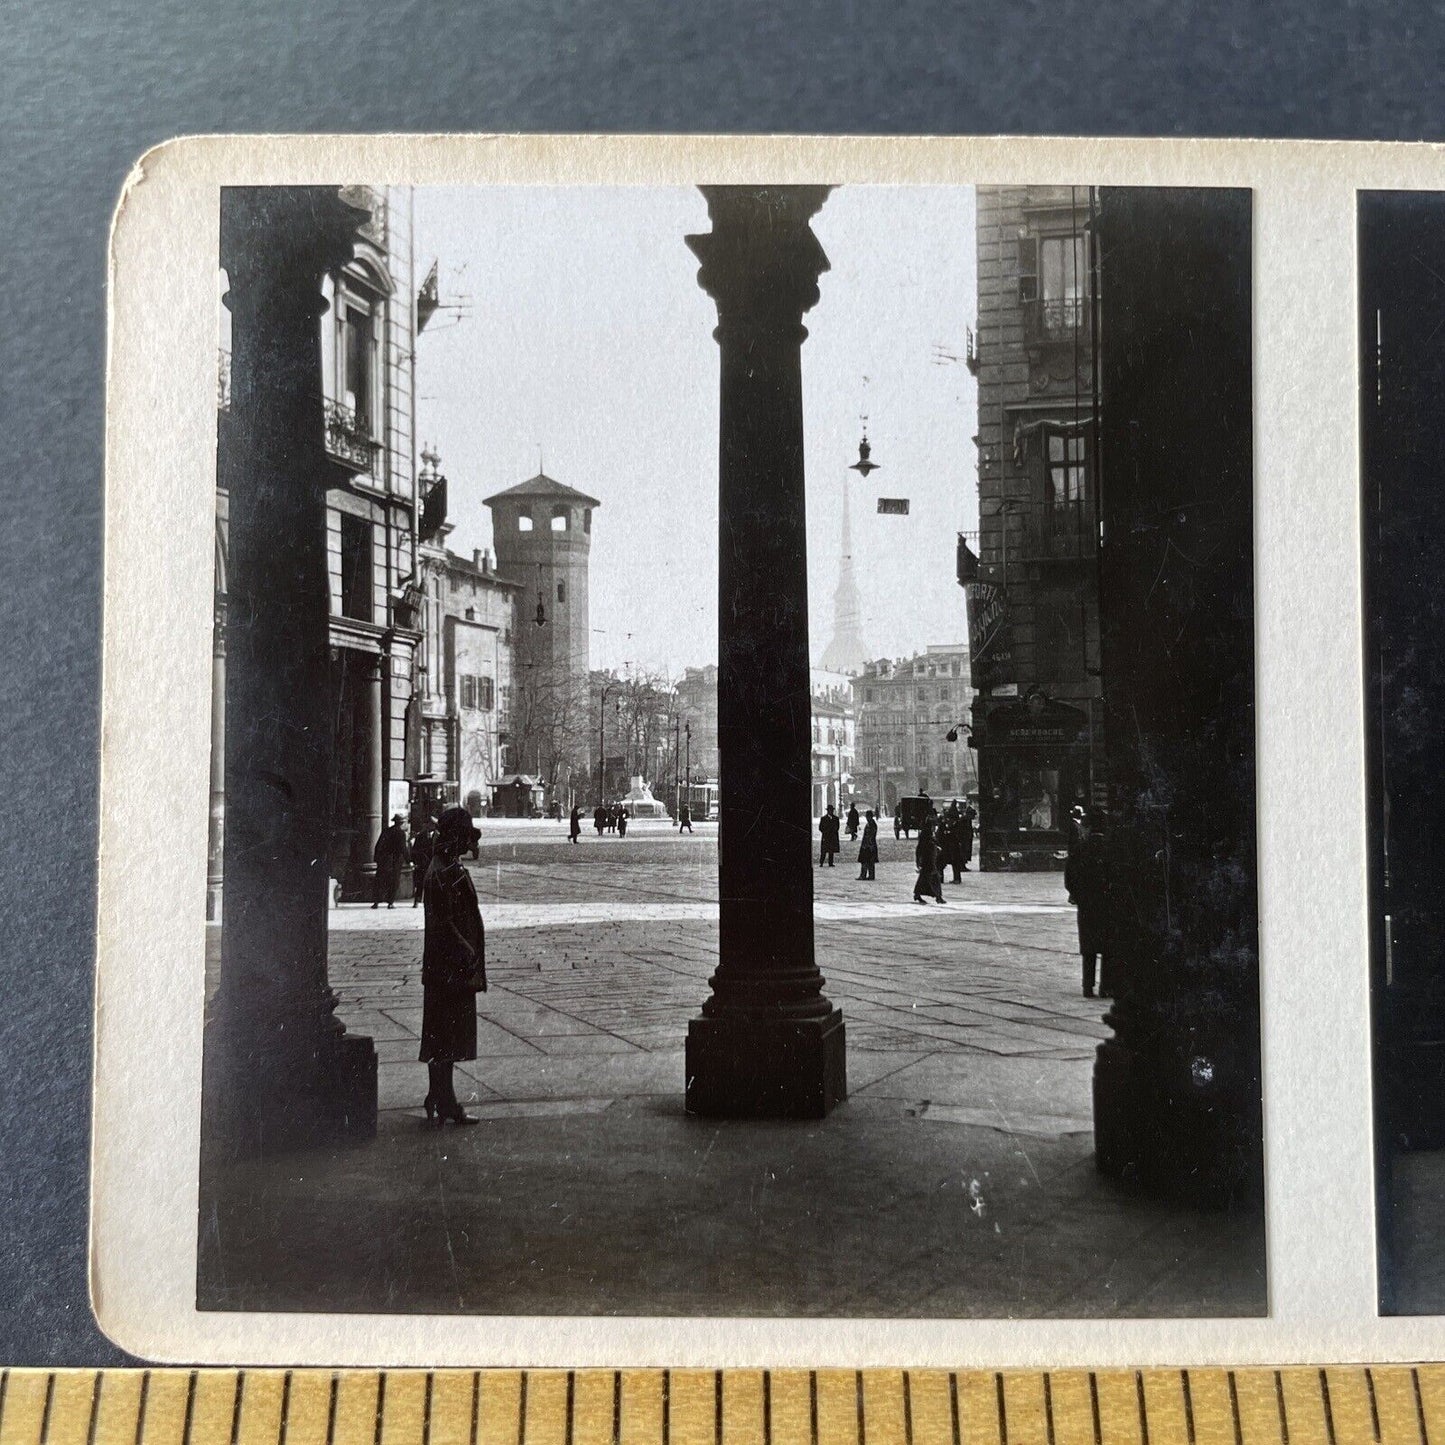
733, 784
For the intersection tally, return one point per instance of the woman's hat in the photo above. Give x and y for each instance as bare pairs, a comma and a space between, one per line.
458, 822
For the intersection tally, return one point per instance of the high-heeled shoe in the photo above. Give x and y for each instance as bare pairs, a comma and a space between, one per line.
457, 1115
434, 1114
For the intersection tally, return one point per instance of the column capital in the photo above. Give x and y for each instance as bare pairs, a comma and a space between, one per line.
281, 240
761, 260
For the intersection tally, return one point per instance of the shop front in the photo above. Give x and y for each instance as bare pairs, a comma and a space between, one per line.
1034, 768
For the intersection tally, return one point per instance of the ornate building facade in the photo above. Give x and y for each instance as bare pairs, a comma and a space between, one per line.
905, 708
367, 351
1032, 587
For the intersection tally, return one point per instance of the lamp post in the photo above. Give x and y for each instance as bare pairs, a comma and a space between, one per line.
677, 771
689, 764
602, 745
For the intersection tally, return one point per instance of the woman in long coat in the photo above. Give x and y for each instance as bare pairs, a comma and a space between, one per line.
1087, 882
868, 849
926, 855
453, 965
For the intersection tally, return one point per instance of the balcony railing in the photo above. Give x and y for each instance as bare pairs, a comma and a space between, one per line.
1050, 319
1061, 532
348, 440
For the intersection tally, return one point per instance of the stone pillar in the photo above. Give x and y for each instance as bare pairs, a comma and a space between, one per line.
768, 1043
216, 832
280, 1070
1177, 1090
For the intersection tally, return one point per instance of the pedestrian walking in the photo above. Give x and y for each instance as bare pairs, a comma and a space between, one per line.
852, 822
926, 856
868, 848
1086, 879
897, 824
950, 841
574, 823
684, 818
390, 856
622, 822
598, 818
423, 845
965, 834
828, 827
453, 967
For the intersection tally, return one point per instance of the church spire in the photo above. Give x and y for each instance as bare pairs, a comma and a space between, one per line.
847, 652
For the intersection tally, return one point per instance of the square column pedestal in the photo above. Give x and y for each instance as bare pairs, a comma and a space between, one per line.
740, 1068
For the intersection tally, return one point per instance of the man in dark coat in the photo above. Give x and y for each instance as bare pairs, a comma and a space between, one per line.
453, 966
868, 849
965, 834
599, 817
950, 841
828, 827
390, 856
684, 818
852, 822
574, 825
423, 845
930, 866
1086, 879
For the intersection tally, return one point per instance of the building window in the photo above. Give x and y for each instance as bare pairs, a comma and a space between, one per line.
486, 694
561, 592
1066, 469
356, 363
587, 520
356, 578
1063, 267
524, 520
471, 614
469, 691
559, 519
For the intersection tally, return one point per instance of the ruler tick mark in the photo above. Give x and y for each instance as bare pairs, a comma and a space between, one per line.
380, 1405
1094, 1408
1374, 1404
522, 1411
477, 1406
236, 1406
331, 1408
907, 1409
190, 1410
1003, 1407
617, 1404
717, 1378
1279, 1403
953, 1405
1143, 1413
571, 1407
666, 1408
858, 1391
1419, 1407
1049, 1407
285, 1407
1188, 1405
49, 1401
425, 1408
94, 1407
1329, 1407
1234, 1409
813, 1407
140, 1416
767, 1407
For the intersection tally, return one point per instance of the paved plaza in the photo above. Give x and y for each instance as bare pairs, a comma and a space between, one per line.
957, 1180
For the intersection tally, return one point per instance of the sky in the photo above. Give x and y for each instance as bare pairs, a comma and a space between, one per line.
573, 334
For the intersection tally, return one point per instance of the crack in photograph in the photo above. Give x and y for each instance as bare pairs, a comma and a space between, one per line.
733, 754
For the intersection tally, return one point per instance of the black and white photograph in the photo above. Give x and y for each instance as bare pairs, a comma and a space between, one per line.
732, 775
1402, 369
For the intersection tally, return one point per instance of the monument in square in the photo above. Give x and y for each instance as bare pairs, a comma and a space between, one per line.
639, 802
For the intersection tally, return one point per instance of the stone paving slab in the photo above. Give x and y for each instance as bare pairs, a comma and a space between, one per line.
957, 1180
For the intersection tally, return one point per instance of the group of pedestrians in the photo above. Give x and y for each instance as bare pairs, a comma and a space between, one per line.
944, 841
606, 818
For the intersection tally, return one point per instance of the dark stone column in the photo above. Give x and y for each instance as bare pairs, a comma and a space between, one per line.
768, 1044
280, 1070
216, 833
1177, 1091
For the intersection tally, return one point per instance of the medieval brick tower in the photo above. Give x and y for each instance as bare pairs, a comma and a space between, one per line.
542, 531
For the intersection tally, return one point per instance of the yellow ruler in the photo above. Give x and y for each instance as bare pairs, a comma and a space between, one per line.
1388, 1405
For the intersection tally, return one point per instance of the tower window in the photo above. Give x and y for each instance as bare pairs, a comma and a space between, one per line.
587, 520
561, 592
524, 520
559, 519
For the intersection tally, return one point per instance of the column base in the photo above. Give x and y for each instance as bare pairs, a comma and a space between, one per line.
750, 1068
1184, 1128
1414, 1079
259, 1106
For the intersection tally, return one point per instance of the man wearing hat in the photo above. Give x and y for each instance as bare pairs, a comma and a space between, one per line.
391, 855
1088, 884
